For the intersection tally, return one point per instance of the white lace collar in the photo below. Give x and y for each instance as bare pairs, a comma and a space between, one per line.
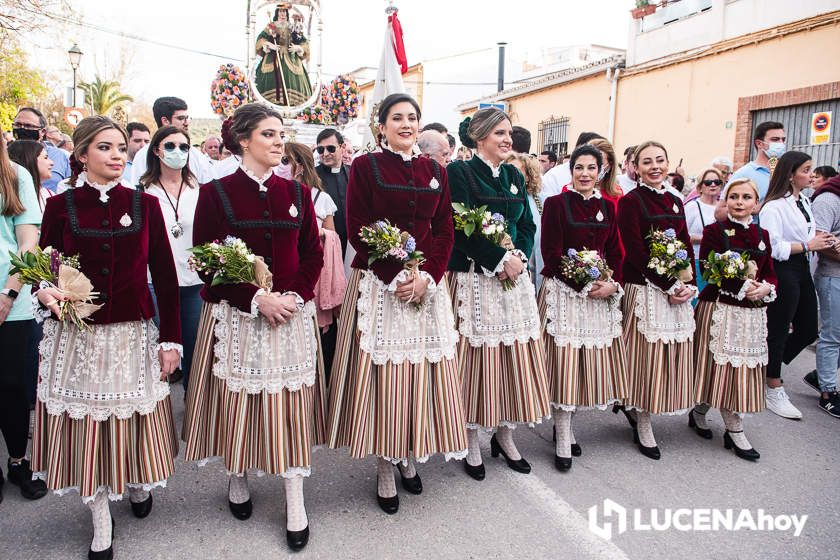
258, 180
103, 189
596, 193
660, 190
494, 169
415, 151
745, 224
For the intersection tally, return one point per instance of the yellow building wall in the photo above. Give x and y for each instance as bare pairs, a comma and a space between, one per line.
687, 106
586, 102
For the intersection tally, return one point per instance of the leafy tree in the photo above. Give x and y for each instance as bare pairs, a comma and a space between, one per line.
19, 84
102, 96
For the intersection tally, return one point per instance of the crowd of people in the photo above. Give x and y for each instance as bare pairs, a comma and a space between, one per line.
397, 360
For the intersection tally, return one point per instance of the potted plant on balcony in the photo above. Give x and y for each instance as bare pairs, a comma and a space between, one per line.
643, 8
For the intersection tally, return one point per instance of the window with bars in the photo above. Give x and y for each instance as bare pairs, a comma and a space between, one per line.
554, 136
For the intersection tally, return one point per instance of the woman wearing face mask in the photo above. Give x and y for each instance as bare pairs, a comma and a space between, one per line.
500, 351
103, 420
658, 318
581, 322
730, 346
700, 213
168, 177
786, 215
394, 388
331, 286
255, 397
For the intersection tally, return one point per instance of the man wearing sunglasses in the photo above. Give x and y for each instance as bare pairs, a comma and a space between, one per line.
173, 111
334, 175
30, 124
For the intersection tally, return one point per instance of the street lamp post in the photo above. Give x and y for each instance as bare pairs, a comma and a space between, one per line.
75, 55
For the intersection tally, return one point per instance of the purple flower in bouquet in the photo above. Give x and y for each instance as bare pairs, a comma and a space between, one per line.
572, 253
55, 262
670, 233
497, 217
682, 254
594, 273
410, 245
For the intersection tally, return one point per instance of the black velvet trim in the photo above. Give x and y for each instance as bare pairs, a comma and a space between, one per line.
380, 182
255, 224
136, 218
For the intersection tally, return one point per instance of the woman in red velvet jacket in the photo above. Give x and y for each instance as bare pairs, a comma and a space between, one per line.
257, 396
103, 419
394, 387
658, 318
581, 320
730, 346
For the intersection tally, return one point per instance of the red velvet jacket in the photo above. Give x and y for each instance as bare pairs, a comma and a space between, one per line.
753, 240
384, 187
286, 238
639, 211
570, 222
115, 256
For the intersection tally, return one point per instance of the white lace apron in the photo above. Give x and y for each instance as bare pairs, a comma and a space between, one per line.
394, 331
658, 320
111, 370
738, 335
490, 315
573, 318
252, 355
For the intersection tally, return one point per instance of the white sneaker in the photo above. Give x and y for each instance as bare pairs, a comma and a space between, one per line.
779, 403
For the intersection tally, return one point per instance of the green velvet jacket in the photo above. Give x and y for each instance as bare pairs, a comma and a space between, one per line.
472, 184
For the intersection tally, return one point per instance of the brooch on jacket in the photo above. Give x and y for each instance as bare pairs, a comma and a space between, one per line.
125, 221
513, 189
293, 211
433, 184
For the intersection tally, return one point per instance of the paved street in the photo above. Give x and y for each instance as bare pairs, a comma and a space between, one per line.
509, 515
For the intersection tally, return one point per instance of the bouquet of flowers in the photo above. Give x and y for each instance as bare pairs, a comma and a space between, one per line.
49, 267
729, 265
584, 266
668, 255
344, 99
493, 226
229, 90
314, 115
230, 262
387, 241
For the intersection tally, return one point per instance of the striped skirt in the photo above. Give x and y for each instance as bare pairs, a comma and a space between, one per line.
265, 432
582, 377
394, 411
79, 446
738, 389
660, 375
503, 385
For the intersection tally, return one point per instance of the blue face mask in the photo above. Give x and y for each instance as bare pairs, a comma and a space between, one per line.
175, 159
602, 174
775, 149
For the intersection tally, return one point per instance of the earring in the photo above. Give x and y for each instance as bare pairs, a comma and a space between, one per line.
84, 166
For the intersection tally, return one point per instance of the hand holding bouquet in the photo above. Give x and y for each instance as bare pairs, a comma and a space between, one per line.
668, 255
493, 226
386, 241
729, 265
584, 266
230, 262
48, 267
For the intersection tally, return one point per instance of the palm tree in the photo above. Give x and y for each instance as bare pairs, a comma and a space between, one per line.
103, 95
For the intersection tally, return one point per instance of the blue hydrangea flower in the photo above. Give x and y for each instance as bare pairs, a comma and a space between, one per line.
681, 254
380, 224
410, 245
594, 272
572, 253
670, 233
498, 217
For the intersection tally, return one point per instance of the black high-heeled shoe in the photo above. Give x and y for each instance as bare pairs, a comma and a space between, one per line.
650, 452
620, 408
520, 465
142, 509
388, 505
297, 540
106, 554
240, 511
413, 485
705, 433
477, 471
562, 463
576, 450
748, 454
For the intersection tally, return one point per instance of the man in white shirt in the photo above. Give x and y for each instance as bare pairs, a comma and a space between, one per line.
559, 176
627, 180
213, 148
548, 160
173, 111
139, 137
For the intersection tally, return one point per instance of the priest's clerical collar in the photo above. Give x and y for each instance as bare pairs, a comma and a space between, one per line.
335, 170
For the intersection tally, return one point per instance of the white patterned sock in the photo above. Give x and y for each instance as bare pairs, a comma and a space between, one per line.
137, 495
408, 471
563, 431
296, 519
238, 489
504, 436
699, 415
735, 427
101, 514
473, 449
386, 487
645, 429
